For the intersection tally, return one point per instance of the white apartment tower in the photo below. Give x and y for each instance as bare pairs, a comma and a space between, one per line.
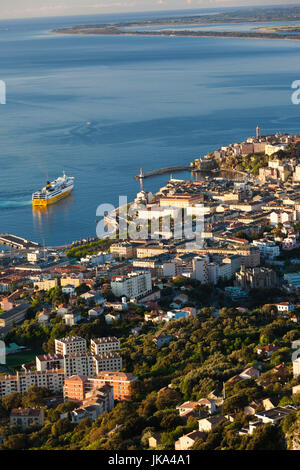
70, 345
200, 269
104, 345
132, 285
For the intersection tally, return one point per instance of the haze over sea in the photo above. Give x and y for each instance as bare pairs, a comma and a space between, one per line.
101, 107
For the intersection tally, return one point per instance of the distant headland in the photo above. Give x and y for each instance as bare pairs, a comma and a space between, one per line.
253, 15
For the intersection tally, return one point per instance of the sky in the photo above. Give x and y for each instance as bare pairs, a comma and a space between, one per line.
42, 8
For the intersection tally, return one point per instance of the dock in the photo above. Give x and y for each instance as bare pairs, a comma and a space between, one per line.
17, 242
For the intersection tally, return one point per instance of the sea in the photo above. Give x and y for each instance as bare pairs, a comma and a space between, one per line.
102, 107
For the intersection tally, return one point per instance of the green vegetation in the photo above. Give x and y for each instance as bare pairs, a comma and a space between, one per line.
204, 353
252, 163
80, 251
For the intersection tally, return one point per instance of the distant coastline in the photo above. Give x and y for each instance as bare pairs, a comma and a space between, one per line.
253, 17
176, 33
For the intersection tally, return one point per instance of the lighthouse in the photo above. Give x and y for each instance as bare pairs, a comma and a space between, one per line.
257, 132
141, 177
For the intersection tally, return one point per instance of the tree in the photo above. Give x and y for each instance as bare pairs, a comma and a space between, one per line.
148, 406
34, 397
267, 437
13, 400
167, 398
15, 442
170, 421
62, 426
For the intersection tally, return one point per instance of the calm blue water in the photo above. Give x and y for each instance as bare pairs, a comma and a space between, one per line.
102, 107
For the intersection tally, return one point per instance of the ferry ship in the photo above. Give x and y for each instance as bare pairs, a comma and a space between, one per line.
54, 191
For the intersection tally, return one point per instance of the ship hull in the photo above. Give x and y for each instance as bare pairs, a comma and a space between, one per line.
53, 200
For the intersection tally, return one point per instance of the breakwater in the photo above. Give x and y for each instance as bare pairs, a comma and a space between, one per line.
162, 171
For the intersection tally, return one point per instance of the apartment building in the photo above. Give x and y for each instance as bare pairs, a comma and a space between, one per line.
70, 345
14, 316
148, 251
27, 417
123, 250
111, 361
200, 269
250, 257
105, 393
45, 284
210, 272
179, 266
256, 278
120, 381
79, 364
52, 380
270, 148
132, 285
71, 281
49, 362
34, 256
280, 217
87, 364
267, 248
183, 200
77, 387
96, 403
104, 345
150, 264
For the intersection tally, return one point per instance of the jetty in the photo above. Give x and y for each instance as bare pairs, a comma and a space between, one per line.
161, 171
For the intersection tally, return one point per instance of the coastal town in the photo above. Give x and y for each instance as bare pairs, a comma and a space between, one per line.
150, 340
